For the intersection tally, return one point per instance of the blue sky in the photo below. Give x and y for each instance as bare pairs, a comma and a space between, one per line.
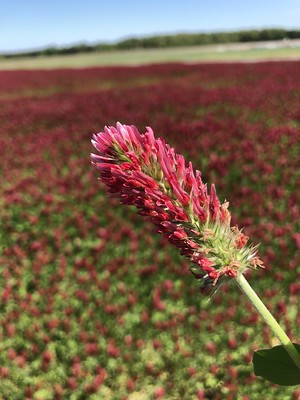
32, 24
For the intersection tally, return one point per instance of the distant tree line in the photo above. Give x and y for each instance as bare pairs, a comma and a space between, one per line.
207, 38
176, 40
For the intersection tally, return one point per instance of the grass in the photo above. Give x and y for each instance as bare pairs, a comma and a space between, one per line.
146, 56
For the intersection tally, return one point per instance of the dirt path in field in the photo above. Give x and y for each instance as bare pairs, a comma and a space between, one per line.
266, 45
279, 50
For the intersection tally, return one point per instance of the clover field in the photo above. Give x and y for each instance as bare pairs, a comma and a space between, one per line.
93, 303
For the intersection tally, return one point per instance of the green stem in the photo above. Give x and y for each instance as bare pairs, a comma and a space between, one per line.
269, 319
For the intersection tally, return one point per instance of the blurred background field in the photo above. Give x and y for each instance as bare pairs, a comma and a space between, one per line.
93, 303
243, 52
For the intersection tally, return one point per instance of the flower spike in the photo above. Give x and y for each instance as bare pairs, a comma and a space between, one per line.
147, 173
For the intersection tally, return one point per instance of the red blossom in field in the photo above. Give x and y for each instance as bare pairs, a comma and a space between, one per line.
147, 173
242, 120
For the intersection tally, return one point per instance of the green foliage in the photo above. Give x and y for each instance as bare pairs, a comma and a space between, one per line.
276, 366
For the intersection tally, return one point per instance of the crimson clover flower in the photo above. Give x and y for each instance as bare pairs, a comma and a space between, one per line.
147, 173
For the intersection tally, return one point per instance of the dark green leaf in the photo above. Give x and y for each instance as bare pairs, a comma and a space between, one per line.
276, 366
